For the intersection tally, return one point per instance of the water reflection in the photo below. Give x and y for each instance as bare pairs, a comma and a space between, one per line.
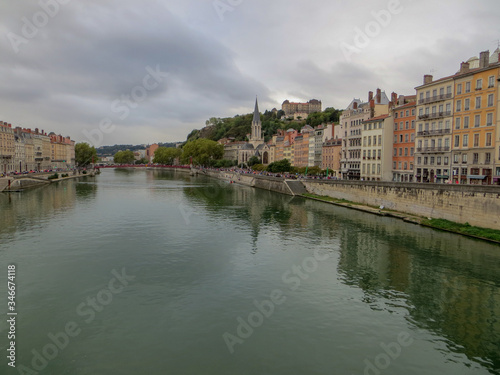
446, 284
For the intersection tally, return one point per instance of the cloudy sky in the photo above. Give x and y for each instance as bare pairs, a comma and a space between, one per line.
123, 71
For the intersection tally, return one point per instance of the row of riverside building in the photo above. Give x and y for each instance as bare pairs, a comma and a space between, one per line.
448, 131
24, 150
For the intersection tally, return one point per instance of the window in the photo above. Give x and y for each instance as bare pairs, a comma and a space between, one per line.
467, 86
421, 97
459, 105
395, 115
433, 109
447, 124
466, 122
476, 140
426, 159
413, 112
419, 160
466, 104
406, 151
475, 158
369, 141
420, 111
407, 125
419, 143
395, 139
490, 100
464, 159
374, 140
479, 84
446, 160
491, 81
478, 102
477, 120
412, 137
401, 114
413, 124
488, 140
406, 137
466, 140
379, 153
373, 168
412, 151
432, 160
457, 141
399, 165
401, 138
406, 165
439, 160
379, 140
420, 127
396, 125
400, 151
364, 165
455, 159
407, 113
378, 168
459, 89
447, 143
395, 152
448, 89
457, 123
364, 141
487, 159
434, 92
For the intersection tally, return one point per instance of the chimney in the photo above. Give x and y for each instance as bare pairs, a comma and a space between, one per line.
401, 100
484, 59
370, 95
394, 97
372, 108
427, 79
464, 67
355, 105
379, 96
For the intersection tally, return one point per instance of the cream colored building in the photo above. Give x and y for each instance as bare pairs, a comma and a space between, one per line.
7, 148
376, 149
433, 137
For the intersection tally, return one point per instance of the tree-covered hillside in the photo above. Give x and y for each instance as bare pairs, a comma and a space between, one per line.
240, 125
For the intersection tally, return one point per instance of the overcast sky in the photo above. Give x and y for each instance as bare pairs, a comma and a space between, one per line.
122, 71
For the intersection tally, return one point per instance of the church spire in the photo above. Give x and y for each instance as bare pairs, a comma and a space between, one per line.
256, 114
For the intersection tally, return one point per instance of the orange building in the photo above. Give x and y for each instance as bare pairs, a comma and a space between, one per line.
404, 138
475, 121
150, 152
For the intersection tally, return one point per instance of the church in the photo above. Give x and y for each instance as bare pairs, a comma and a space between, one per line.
256, 145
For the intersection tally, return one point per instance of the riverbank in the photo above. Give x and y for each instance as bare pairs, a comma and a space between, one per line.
461, 199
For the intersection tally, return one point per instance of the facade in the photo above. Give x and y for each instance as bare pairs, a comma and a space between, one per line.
318, 144
150, 152
404, 139
331, 153
475, 122
352, 120
7, 148
376, 164
433, 138
290, 108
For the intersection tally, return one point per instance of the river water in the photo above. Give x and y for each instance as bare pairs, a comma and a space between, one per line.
158, 272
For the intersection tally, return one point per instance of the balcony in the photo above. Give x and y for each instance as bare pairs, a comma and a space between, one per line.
430, 116
433, 149
433, 132
436, 98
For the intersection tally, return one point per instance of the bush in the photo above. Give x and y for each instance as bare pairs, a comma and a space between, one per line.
54, 176
258, 167
84, 172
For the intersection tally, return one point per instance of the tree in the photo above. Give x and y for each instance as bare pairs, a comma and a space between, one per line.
141, 161
253, 160
124, 157
202, 151
85, 154
280, 166
167, 156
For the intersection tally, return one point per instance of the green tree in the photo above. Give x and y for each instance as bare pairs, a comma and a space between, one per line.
280, 166
85, 154
167, 156
141, 161
202, 151
253, 160
124, 157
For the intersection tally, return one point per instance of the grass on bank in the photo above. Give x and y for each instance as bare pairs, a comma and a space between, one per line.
466, 228
334, 200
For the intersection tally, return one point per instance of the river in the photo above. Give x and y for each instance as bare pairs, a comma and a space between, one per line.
158, 272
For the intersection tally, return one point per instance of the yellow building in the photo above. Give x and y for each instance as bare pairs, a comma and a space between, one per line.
474, 128
7, 148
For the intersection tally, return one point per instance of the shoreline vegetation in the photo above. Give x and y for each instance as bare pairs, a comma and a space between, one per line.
485, 234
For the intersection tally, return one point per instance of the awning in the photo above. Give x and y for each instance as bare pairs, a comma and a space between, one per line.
476, 177
442, 176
